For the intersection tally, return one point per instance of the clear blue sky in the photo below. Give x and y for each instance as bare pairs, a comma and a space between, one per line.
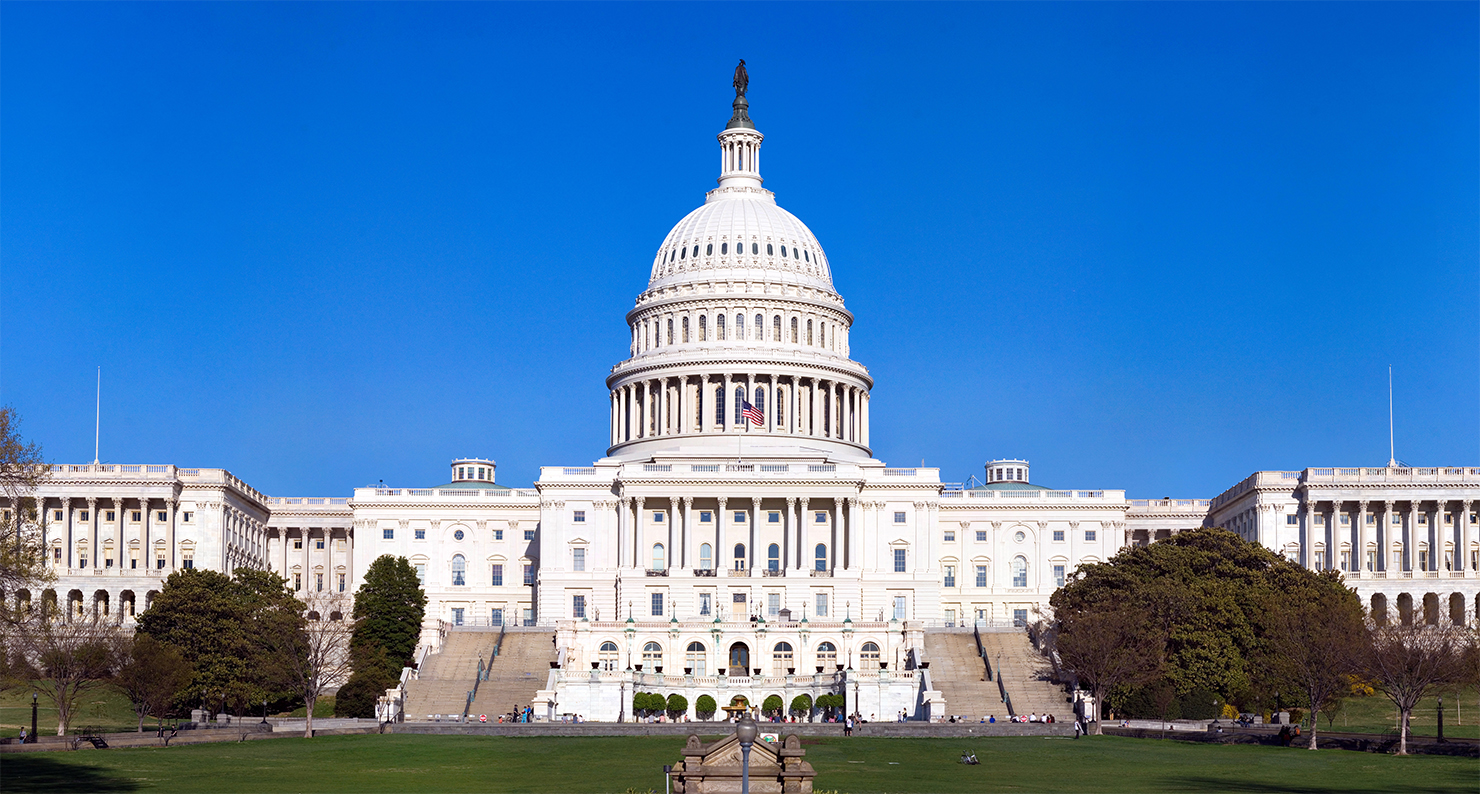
1147, 246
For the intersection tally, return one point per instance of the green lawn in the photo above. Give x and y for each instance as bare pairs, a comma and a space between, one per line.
1375, 714
104, 708
611, 764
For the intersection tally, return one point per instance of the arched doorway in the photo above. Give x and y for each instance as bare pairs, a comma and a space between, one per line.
739, 659
1379, 609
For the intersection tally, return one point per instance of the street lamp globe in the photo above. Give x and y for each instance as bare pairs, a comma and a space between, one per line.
747, 730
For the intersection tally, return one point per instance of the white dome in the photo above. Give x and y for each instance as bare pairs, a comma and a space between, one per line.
704, 246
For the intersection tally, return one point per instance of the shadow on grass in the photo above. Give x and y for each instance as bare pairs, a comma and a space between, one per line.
1460, 782
45, 773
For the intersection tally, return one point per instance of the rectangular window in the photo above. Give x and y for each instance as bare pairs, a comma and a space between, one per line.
1448, 518
981, 536
578, 606
1292, 521
705, 517
319, 582
578, 517
189, 517
342, 583
1058, 536
1345, 519
297, 544
385, 534
185, 563
529, 617
822, 605
319, 544
162, 516
950, 536
981, 576
739, 516
136, 517
529, 574
1371, 519
496, 617
498, 534
159, 563
950, 580
1423, 519
704, 604
774, 517
421, 534
110, 516
820, 518
1089, 536
497, 577
529, 534
82, 516
657, 605
297, 582
899, 517
773, 604
133, 562
657, 517
899, 608
1320, 560
899, 561
578, 559
421, 573
108, 563
1020, 617
457, 616
1058, 576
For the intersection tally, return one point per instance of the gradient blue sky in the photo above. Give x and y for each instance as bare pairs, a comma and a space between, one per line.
1147, 246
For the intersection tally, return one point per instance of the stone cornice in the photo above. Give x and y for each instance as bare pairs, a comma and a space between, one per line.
628, 370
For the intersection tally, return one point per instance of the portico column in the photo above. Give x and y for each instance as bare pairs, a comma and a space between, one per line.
688, 532
755, 513
793, 421
837, 531
920, 548
118, 534
802, 534
1332, 538
307, 559
1464, 536
1409, 526
93, 546
724, 409
67, 530
624, 546
1359, 555
663, 402
722, 554
854, 538
814, 427
169, 532
681, 421
639, 537
790, 559
146, 550
1385, 539
864, 438
771, 405
41, 527
674, 554
283, 541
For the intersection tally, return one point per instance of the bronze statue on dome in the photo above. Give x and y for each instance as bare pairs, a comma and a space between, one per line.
742, 79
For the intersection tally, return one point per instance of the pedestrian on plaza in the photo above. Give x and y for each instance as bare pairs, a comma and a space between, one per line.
23, 735
848, 726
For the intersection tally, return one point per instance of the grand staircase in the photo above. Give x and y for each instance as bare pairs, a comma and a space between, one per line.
520, 670
957, 671
442, 685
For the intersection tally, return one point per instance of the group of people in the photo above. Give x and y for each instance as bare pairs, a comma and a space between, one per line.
518, 714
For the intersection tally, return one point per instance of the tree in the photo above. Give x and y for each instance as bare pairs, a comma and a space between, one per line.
705, 707
66, 660
1106, 646
1312, 633
772, 704
678, 705
389, 608
150, 675
1405, 663
801, 704
310, 655
22, 552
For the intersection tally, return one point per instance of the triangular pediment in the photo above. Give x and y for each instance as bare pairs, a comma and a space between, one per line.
728, 753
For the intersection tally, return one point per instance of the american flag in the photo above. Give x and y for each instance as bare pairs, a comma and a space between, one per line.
752, 413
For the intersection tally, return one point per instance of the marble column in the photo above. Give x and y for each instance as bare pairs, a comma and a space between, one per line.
94, 548
674, 558
67, 531
41, 528
308, 560
638, 536
804, 553
118, 547
754, 527
688, 533
171, 555
624, 543
790, 560
836, 532
1385, 539
1359, 553
723, 556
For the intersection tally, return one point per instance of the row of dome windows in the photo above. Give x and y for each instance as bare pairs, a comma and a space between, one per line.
724, 250
650, 336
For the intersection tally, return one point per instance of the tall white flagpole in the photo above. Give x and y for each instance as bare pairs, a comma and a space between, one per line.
98, 416
1392, 451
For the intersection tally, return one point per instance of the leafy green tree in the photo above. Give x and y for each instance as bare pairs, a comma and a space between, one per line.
22, 468
67, 660
151, 675
772, 704
705, 707
389, 608
678, 705
801, 704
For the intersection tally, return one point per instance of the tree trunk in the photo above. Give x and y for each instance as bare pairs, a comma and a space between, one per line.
1098, 710
141, 722
1403, 732
1314, 715
308, 712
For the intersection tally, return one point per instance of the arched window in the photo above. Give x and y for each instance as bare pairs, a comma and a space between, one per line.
781, 659
670, 330
869, 655
827, 655
739, 556
703, 328
793, 330
769, 250
685, 329
760, 399
696, 250
709, 250
776, 328
773, 557
682, 252
739, 660
780, 406
806, 255
652, 654
783, 250
658, 557
694, 658
724, 248
794, 254
719, 327
809, 332
739, 403
672, 254
1019, 571
459, 570
821, 555
740, 327
607, 656
719, 405
706, 557
760, 328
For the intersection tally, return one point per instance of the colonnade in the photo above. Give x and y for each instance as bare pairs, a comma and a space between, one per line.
89, 549
689, 404
756, 323
285, 558
799, 535
1394, 533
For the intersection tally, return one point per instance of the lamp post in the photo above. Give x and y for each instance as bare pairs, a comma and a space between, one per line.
32, 738
746, 732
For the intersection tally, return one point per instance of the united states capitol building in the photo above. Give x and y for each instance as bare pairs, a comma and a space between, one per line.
738, 532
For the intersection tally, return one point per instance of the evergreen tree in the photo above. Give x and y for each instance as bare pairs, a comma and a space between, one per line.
389, 608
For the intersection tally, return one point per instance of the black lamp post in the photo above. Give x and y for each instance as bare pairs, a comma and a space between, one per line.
33, 719
746, 731
1441, 719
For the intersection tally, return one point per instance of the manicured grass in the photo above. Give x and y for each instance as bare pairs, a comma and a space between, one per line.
1375, 714
104, 708
616, 764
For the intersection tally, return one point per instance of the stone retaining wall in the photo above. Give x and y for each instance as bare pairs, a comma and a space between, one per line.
919, 730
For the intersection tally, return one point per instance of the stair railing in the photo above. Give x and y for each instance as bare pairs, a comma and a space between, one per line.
1002, 690
981, 650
